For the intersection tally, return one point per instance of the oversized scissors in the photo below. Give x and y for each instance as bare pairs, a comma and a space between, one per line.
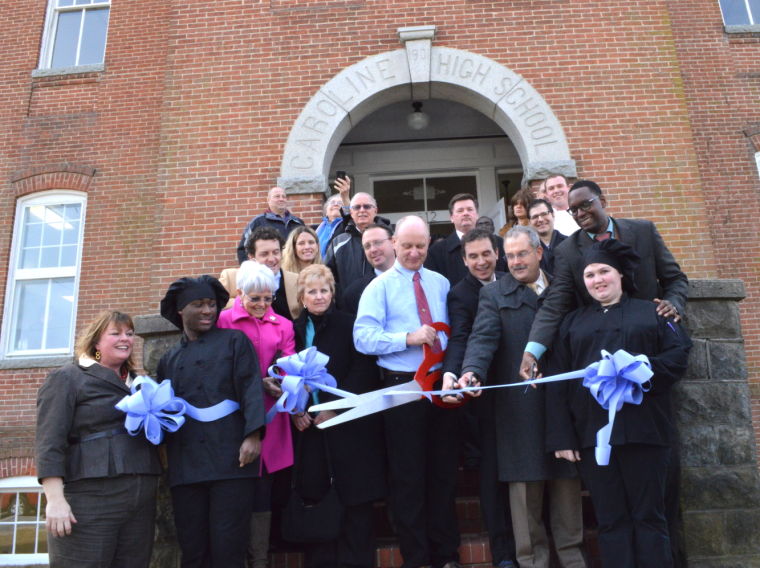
378, 400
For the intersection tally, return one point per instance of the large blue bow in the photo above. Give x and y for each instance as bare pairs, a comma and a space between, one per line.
154, 408
299, 374
613, 381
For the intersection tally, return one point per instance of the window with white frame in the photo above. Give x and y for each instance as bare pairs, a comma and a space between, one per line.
75, 33
43, 278
740, 12
23, 538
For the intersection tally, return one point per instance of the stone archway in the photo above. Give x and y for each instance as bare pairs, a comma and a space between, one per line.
420, 71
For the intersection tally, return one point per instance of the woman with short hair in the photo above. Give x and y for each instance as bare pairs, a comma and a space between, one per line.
100, 482
272, 337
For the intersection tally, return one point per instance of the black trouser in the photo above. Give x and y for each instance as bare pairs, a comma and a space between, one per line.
494, 495
212, 520
355, 547
628, 496
116, 519
423, 443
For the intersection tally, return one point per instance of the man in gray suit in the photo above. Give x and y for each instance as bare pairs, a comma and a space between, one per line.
505, 313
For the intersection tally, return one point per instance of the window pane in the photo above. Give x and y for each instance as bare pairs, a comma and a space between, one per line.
441, 189
66, 37
734, 12
68, 255
94, 36
61, 308
399, 195
72, 212
32, 235
31, 298
6, 539
754, 6
25, 535
7, 507
42, 538
62, 3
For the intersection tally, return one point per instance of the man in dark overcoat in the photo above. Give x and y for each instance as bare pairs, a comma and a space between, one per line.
505, 314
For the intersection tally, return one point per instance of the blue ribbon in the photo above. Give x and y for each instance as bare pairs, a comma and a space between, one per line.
154, 408
613, 381
299, 374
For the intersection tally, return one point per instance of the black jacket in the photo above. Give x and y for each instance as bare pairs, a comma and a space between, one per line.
282, 224
573, 415
345, 256
221, 364
462, 302
547, 260
445, 257
658, 275
349, 300
75, 402
357, 448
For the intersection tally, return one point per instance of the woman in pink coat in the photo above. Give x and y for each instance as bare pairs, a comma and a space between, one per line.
272, 337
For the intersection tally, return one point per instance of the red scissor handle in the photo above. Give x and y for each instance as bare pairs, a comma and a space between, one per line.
427, 378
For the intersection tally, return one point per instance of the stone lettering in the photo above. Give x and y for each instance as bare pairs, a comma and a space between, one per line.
527, 105
503, 87
305, 165
383, 66
443, 64
542, 132
310, 143
482, 73
365, 78
516, 95
534, 119
315, 125
327, 107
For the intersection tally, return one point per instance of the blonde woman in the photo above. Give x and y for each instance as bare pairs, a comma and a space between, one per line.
301, 250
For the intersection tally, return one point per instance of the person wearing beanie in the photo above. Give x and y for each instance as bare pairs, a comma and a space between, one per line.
211, 463
629, 493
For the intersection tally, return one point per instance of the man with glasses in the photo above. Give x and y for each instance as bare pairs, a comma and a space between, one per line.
658, 278
345, 255
541, 217
264, 246
334, 209
494, 349
377, 241
556, 191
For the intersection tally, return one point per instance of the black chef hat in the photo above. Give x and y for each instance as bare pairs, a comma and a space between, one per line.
185, 290
617, 255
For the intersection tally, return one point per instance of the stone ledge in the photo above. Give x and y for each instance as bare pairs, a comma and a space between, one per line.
147, 326
716, 289
36, 362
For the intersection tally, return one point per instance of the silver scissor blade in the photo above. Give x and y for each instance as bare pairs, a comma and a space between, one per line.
376, 404
360, 399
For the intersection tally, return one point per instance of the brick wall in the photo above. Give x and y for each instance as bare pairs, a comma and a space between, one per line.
181, 136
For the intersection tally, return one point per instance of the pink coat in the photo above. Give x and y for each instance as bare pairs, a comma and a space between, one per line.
268, 335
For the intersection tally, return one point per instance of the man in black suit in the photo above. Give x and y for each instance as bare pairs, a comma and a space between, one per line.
445, 256
658, 278
541, 217
480, 251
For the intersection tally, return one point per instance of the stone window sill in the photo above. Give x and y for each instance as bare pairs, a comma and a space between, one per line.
78, 70
745, 29
35, 362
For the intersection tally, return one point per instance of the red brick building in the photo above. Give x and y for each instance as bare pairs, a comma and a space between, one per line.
145, 134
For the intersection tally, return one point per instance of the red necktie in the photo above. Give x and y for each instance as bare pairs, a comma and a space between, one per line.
602, 236
423, 309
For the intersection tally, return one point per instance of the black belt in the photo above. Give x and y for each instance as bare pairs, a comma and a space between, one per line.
388, 374
96, 435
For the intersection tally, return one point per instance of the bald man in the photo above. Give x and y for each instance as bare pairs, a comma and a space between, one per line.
276, 216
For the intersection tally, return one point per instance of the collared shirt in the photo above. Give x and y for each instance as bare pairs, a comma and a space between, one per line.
484, 282
388, 311
610, 230
541, 283
564, 222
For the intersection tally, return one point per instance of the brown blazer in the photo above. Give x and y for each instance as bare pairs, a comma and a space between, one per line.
228, 278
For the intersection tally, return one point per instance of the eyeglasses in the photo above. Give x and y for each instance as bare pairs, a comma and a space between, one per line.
376, 244
538, 216
520, 255
257, 299
583, 206
365, 206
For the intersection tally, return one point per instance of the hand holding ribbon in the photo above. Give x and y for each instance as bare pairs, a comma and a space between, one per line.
154, 408
299, 374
